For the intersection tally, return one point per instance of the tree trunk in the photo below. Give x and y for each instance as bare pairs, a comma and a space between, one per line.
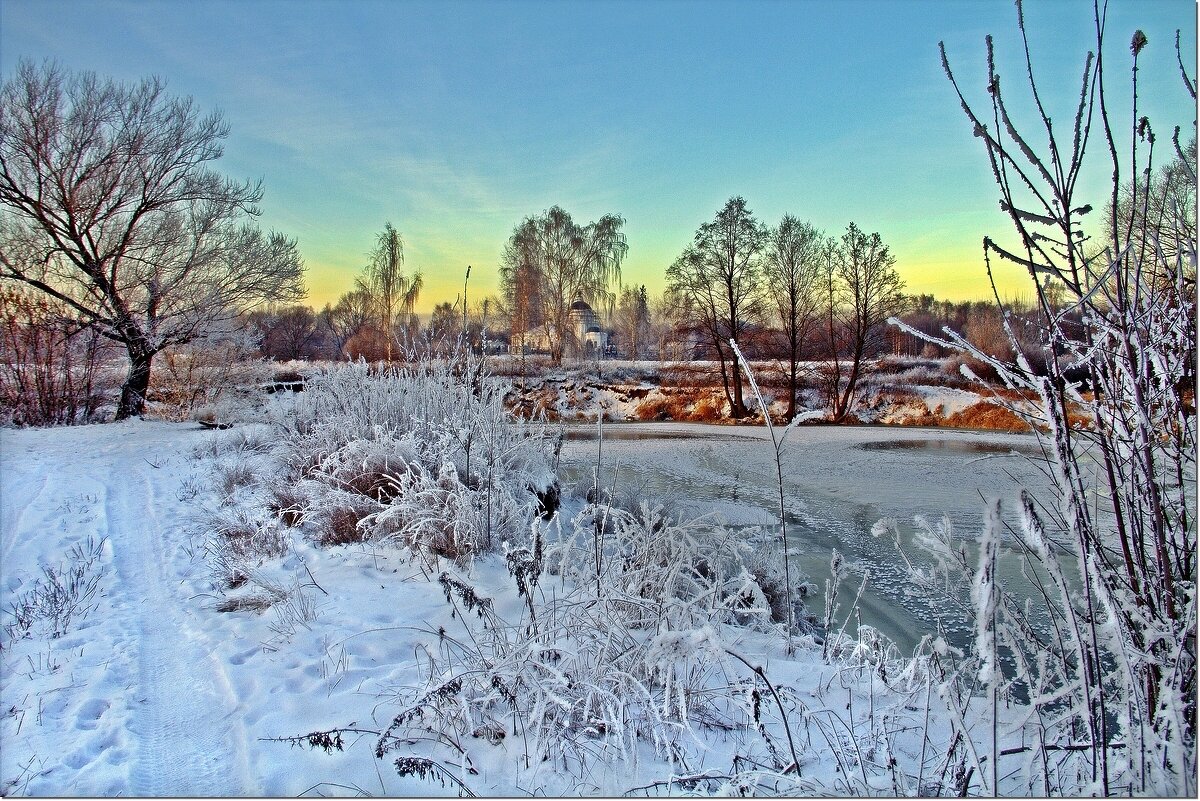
843, 406
137, 382
739, 404
794, 358
725, 383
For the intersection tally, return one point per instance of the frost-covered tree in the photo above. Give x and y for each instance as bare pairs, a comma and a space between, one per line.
108, 205
1113, 677
719, 279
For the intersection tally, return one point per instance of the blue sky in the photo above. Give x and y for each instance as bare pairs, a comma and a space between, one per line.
455, 120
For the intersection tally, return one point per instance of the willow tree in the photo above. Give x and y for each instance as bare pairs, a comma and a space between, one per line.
391, 292
549, 262
109, 206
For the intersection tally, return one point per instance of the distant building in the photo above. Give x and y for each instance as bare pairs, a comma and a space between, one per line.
584, 336
586, 322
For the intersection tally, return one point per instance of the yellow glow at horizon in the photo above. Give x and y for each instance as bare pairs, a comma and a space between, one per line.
956, 278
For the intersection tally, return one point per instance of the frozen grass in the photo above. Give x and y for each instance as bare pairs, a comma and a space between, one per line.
416, 457
62, 596
616, 640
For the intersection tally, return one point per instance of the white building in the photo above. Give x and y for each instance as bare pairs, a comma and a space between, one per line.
586, 322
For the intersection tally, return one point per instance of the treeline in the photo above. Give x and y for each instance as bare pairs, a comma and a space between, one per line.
190, 268
816, 303
788, 292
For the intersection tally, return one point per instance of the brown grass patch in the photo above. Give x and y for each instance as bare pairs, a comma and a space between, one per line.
379, 479
987, 415
1077, 418
708, 409
685, 406
287, 504
653, 409
340, 527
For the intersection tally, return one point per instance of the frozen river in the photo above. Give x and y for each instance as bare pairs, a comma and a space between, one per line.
838, 481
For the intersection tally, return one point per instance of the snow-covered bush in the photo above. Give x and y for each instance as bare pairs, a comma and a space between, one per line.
424, 457
657, 573
622, 650
432, 458
208, 374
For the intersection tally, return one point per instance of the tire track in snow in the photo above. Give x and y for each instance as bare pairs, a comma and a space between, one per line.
13, 514
189, 738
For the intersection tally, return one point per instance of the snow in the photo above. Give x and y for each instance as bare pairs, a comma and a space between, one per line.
131, 700
157, 691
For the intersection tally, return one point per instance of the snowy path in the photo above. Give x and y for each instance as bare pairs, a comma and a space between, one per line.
160, 689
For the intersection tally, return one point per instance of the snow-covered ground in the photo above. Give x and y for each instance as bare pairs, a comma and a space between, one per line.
132, 698
169, 685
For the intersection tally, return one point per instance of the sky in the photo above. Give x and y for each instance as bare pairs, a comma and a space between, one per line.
456, 120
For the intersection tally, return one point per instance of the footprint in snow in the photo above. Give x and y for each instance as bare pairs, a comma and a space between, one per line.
90, 713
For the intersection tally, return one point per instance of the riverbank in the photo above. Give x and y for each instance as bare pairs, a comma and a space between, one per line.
894, 392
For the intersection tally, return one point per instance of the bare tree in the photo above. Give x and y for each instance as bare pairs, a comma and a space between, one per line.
49, 361
863, 290
550, 261
632, 320
108, 206
719, 278
290, 332
1162, 204
792, 269
353, 312
392, 293
445, 324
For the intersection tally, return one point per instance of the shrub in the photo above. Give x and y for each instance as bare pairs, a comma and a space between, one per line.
205, 376
51, 365
424, 457
635, 650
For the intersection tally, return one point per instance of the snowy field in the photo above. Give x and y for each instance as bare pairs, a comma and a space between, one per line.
159, 680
